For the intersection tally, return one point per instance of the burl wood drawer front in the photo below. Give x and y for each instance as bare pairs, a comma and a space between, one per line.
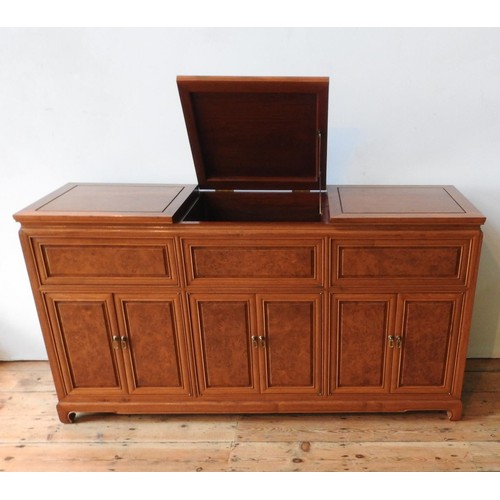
400, 262
103, 261
237, 261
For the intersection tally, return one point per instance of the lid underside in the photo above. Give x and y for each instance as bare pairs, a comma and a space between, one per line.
257, 133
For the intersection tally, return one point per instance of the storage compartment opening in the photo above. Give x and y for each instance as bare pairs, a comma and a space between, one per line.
258, 207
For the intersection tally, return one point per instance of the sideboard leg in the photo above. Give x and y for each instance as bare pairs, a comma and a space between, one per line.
65, 416
455, 413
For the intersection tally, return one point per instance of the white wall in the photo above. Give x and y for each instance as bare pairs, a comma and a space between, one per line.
407, 106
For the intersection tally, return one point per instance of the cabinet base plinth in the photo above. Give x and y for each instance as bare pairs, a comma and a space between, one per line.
68, 411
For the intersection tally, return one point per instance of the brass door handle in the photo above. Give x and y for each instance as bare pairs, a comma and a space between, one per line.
119, 341
397, 339
259, 341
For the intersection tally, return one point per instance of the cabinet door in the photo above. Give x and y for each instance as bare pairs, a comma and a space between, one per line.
425, 349
153, 343
290, 343
361, 329
223, 327
83, 327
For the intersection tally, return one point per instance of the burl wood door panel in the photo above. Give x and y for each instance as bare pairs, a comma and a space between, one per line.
105, 261
290, 346
361, 329
236, 261
154, 343
83, 327
424, 357
400, 262
223, 327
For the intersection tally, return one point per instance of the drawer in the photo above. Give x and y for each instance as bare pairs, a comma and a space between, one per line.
400, 262
245, 262
91, 261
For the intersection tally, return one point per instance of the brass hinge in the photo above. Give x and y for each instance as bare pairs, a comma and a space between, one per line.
318, 156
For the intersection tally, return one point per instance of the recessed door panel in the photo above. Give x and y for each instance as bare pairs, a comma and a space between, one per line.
429, 325
154, 344
362, 326
223, 327
84, 327
258, 261
290, 342
105, 261
400, 262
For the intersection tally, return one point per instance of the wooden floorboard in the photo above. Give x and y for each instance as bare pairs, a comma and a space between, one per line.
33, 439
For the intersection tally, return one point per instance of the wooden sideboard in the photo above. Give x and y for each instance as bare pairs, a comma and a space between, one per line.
153, 299
260, 289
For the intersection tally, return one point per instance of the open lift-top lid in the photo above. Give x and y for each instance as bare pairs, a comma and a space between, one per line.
257, 132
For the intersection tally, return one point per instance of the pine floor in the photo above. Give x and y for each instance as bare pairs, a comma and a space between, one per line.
33, 439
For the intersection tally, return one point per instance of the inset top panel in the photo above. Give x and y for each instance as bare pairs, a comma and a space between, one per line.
388, 204
111, 201
257, 133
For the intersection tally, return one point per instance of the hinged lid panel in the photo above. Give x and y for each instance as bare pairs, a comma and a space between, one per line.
257, 133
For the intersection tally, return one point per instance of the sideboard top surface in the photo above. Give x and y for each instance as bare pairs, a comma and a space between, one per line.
167, 203
109, 202
389, 204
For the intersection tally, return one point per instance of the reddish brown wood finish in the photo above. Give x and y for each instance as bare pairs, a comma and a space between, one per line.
109, 203
83, 326
403, 260
147, 313
360, 329
154, 348
223, 327
257, 133
63, 261
397, 204
238, 261
427, 347
290, 335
